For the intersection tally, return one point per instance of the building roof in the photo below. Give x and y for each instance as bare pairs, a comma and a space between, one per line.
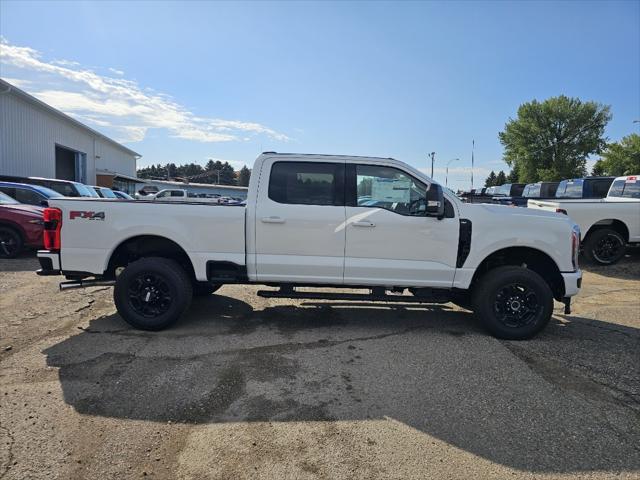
9, 88
122, 176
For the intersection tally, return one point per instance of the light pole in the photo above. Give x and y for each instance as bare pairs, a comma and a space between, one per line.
446, 178
433, 156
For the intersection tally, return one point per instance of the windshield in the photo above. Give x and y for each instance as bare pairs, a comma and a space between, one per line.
629, 188
504, 189
532, 190
107, 193
570, 189
47, 192
7, 200
85, 191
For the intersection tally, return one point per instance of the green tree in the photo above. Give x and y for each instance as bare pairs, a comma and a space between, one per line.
551, 140
620, 158
244, 176
501, 178
491, 179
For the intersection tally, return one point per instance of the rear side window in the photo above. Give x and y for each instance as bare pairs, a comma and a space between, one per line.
600, 188
28, 196
177, 193
625, 189
307, 183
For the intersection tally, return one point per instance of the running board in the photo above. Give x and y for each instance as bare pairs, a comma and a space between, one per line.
363, 297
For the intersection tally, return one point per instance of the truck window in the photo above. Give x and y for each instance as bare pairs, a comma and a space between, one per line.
625, 189
391, 189
28, 196
307, 183
177, 193
600, 188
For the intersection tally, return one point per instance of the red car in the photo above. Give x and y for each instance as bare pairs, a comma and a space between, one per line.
20, 226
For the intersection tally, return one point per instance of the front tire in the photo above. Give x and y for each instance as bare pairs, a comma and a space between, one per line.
10, 242
513, 303
605, 246
152, 293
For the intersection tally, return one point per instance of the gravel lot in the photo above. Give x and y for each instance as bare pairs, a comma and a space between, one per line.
247, 387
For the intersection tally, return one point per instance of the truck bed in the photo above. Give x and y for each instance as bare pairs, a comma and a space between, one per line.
93, 228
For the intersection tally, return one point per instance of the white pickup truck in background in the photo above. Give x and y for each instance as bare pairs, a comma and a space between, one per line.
607, 224
321, 221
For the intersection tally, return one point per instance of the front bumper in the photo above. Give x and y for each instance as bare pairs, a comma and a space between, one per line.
572, 282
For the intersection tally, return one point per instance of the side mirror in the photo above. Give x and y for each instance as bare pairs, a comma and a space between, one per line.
435, 201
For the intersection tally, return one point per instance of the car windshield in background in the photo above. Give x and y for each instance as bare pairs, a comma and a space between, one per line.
532, 190
504, 190
629, 188
7, 200
85, 191
47, 192
108, 193
570, 189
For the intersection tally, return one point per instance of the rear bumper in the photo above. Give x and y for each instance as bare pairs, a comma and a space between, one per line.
572, 283
49, 263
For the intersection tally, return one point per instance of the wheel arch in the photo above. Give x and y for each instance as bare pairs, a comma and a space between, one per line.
533, 258
613, 223
14, 226
140, 246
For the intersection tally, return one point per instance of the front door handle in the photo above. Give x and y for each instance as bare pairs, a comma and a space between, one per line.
364, 224
272, 219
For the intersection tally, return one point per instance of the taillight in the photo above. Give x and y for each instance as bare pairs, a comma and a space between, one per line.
52, 227
575, 246
561, 210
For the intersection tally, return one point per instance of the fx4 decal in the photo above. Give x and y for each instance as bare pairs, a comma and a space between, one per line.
73, 214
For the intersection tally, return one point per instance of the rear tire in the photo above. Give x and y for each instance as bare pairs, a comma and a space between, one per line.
152, 293
11, 242
203, 289
604, 246
513, 303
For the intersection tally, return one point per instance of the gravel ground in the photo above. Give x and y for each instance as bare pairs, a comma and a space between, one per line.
246, 387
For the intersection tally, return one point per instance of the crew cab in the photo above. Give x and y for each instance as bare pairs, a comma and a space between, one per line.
304, 225
586, 188
608, 224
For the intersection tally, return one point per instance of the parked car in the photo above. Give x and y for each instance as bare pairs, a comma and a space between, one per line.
303, 226
104, 192
532, 191
122, 195
507, 191
20, 226
607, 224
181, 195
588, 187
66, 188
147, 192
29, 194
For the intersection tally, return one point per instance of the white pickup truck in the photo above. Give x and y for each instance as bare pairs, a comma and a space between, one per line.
321, 221
608, 224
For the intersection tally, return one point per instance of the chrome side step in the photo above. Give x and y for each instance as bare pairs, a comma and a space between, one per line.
85, 283
375, 295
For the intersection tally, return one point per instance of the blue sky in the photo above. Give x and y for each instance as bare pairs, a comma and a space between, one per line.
188, 81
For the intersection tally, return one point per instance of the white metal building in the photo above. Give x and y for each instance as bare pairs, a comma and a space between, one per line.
36, 140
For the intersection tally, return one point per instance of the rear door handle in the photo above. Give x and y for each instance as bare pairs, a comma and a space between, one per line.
272, 220
363, 224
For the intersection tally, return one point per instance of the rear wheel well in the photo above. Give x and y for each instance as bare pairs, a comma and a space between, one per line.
531, 258
13, 227
148, 246
613, 224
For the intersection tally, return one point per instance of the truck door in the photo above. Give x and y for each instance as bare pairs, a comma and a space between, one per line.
389, 240
300, 222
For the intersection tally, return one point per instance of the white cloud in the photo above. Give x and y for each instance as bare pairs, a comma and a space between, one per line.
119, 104
116, 71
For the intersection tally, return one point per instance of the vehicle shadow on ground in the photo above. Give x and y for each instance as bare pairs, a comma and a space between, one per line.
628, 268
431, 368
24, 262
